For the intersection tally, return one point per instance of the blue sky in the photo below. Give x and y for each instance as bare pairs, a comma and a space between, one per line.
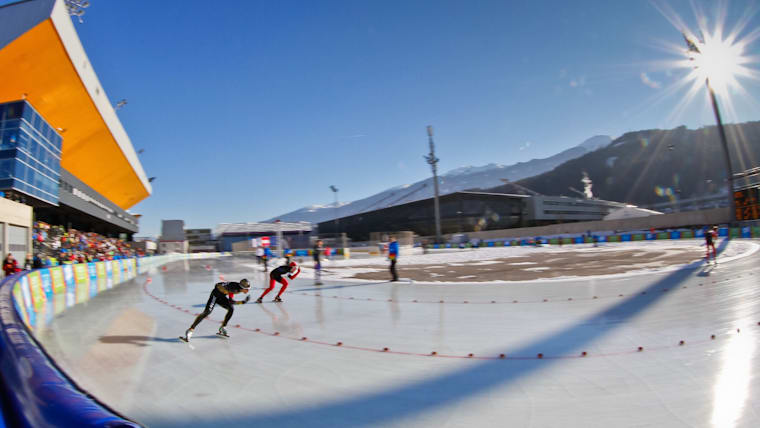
250, 109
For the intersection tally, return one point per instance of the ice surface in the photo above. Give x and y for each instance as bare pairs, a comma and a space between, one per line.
122, 347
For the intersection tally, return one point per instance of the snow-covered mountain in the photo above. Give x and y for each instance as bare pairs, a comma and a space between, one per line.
463, 178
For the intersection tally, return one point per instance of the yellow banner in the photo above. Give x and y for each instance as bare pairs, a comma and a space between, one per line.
35, 286
59, 285
116, 273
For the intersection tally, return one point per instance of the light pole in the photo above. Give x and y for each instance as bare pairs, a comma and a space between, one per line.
693, 50
337, 220
433, 161
76, 8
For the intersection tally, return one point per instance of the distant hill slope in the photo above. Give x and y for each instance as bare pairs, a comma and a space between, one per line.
643, 167
464, 178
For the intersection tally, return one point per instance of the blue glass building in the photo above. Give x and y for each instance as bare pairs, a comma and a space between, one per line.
30, 154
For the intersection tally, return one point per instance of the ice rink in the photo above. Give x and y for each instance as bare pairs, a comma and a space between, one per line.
669, 347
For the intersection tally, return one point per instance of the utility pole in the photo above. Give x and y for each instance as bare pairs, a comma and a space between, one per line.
433, 161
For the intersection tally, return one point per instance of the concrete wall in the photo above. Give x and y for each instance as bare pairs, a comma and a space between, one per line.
662, 221
15, 214
244, 245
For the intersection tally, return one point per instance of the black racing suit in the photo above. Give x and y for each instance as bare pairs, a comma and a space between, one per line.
221, 295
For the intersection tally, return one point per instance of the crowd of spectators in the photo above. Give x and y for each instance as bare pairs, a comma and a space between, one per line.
55, 244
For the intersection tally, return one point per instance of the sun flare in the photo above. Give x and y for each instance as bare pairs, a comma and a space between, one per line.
717, 60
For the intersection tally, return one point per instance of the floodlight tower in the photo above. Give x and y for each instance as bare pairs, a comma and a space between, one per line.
77, 8
433, 161
694, 53
337, 220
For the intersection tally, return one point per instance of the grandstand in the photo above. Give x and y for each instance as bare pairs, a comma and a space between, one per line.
63, 150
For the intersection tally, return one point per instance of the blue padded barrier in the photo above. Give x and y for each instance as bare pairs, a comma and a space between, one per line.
39, 393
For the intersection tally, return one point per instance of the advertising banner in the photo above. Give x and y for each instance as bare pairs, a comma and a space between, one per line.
18, 300
56, 275
92, 271
59, 302
71, 285
109, 274
116, 271
82, 279
35, 286
27, 296
47, 284
130, 264
102, 283
93, 280
100, 269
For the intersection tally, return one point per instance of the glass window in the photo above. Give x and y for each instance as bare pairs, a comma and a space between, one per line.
28, 115
11, 123
10, 139
6, 168
13, 111
23, 140
36, 121
37, 153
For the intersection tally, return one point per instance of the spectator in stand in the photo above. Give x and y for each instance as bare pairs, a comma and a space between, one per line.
37, 262
10, 266
28, 262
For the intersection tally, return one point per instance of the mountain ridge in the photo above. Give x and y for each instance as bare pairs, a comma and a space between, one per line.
457, 179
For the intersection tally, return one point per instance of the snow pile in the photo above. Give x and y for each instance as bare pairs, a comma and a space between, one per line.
345, 269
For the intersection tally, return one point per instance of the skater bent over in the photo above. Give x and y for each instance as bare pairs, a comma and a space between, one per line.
291, 269
318, 249
393, 256
221, 295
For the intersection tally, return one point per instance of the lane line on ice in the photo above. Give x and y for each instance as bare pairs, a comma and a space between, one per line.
472, 356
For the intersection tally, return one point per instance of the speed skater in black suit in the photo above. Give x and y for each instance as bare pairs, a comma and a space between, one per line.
222, 295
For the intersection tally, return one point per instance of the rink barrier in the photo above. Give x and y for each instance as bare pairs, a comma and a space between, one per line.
723, 232
36, 391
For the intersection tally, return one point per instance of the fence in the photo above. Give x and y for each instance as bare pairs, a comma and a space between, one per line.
734, 232
35, 392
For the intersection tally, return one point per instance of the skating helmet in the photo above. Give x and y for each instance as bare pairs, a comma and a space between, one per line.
293, 265
245, 284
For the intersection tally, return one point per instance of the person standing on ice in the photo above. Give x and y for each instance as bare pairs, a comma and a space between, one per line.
393, 256
291, 269
222, 295
710, 236
318, 249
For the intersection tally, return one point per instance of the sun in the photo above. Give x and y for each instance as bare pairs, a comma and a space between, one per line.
716, 60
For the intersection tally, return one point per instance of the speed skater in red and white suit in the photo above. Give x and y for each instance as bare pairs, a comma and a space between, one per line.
292, 270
